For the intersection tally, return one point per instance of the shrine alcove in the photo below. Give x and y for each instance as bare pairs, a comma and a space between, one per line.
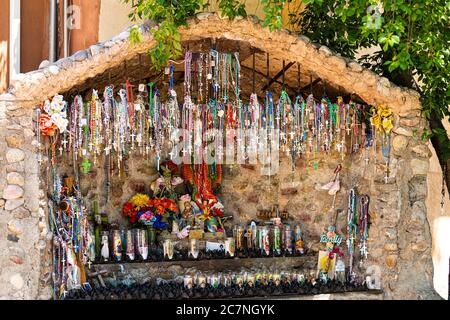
399, 240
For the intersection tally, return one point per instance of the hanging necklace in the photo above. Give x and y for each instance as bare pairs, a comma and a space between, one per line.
364, 226
351, 226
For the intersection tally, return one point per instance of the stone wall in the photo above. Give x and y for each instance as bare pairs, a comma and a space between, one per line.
23, 223
400, 241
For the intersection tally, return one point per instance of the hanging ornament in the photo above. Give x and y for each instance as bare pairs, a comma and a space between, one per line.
382, 120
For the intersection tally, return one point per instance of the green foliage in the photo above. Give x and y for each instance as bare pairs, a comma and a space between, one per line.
413, 41
232, 8
170, 15
272, 11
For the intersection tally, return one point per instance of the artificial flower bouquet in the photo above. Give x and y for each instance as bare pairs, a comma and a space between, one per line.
53, 116
169, 184
382, 119
142, 210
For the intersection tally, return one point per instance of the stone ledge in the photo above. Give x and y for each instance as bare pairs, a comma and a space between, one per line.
207, 265
363, 295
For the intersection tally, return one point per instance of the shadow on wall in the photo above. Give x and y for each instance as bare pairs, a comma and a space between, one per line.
441, 255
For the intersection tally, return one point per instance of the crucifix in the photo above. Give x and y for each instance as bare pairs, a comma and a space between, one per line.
86, 166
65, 142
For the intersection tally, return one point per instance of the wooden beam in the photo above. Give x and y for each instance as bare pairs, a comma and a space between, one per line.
278, 75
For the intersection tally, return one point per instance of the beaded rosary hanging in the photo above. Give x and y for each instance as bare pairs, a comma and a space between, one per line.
352, 227
364, 226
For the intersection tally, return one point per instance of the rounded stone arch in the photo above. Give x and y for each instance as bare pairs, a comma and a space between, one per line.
338, 71
399, 211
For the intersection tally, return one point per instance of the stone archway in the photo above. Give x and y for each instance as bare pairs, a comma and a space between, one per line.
401, 241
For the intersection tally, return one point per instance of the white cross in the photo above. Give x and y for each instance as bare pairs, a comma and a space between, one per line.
292, 134
64, 142
363, 249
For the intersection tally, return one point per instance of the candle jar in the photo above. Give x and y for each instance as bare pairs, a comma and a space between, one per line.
117, 245
188, 282
340, 271
299, 245
276, 240
142, 243
276, 279
250, 280
265, 278
265, 241
151, 236
254, 229
226, 280
239, 280
193, 251
301, 279
249, 238
168, 248
286, 277
258, 278
130, 247
91, 243
214, 281
239, 236
105, 246
229, 246
288, 239
201, 281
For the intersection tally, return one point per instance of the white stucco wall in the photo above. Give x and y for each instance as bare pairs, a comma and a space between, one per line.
113, 18
439, 218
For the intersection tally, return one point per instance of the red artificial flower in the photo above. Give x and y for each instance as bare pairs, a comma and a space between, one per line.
169, 204
217, 212
128, 209
46, 125
160, 209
